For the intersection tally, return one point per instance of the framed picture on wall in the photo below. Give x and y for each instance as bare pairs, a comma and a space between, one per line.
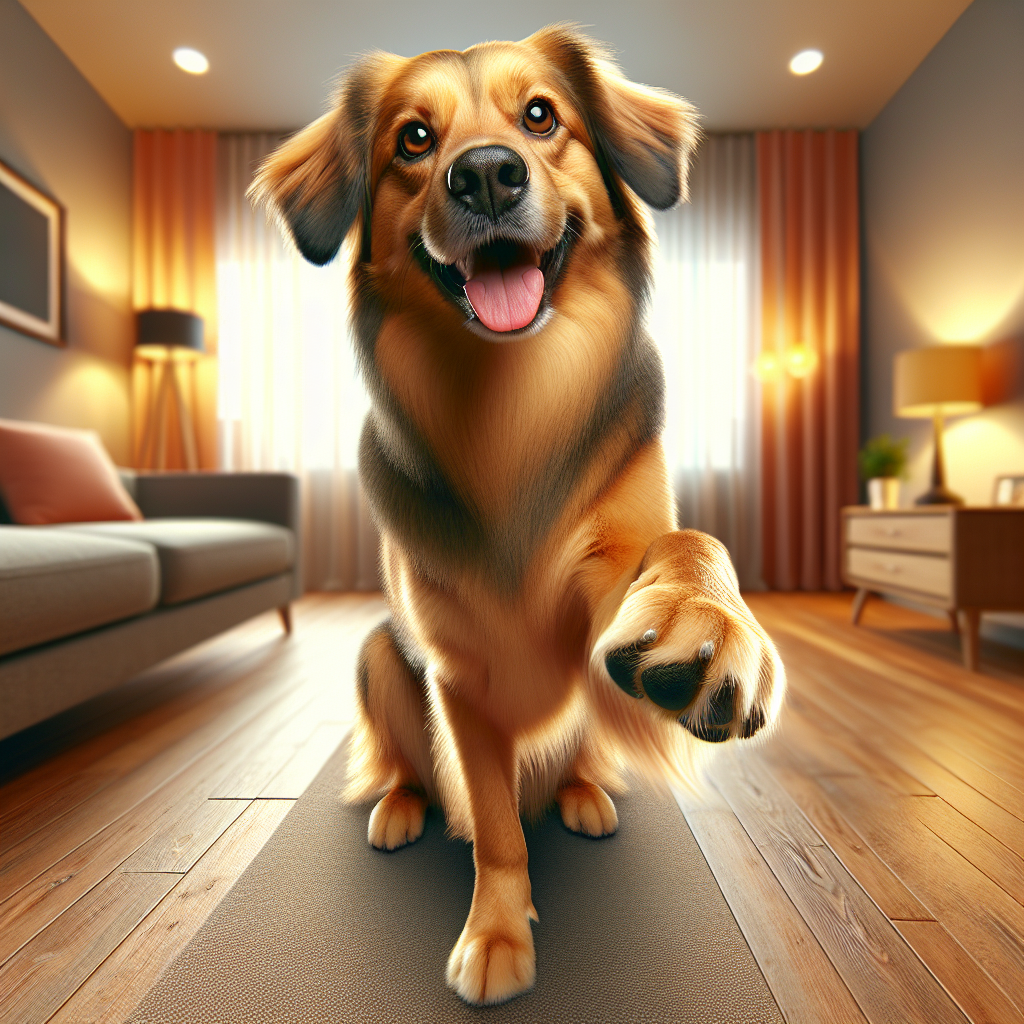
31, 259
1009, 490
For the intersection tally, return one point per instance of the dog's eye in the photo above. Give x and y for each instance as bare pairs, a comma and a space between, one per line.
414, 140
539, 118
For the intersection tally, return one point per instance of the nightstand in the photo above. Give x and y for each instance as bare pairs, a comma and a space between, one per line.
964, 560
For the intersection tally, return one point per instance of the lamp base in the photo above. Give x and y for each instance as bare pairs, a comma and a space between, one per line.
939, 496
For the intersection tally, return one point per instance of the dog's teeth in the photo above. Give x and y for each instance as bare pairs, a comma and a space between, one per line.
464, 268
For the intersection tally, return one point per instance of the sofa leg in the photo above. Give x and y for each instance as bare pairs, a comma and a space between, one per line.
285, 611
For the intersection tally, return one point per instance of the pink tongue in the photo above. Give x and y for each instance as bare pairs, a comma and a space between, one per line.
506, 300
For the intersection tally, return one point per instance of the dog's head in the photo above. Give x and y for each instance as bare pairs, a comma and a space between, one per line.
480, 180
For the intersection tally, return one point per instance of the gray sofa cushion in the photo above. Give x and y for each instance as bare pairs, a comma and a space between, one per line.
204, 556
54, 583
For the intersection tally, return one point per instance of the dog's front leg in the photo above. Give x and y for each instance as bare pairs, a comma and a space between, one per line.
493, 959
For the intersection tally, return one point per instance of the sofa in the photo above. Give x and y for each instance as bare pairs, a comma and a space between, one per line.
84, 607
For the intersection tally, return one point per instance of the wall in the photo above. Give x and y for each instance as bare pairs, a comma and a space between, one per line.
943, 213
57, 132
943, 181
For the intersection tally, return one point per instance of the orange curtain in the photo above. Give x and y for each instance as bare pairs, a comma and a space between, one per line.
174, 267
807, 183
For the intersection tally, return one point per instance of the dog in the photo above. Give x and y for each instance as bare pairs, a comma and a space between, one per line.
550, 624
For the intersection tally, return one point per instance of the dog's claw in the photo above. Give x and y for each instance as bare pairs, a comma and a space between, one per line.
707, 651
650, 636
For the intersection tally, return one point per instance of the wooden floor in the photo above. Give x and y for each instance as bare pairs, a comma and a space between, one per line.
870, 851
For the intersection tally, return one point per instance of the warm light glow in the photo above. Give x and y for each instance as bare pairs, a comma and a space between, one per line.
191, 60
798, 361
159, 353
805, 62
767, 366
801, 361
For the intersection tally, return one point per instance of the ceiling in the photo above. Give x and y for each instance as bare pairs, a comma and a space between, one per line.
272, 61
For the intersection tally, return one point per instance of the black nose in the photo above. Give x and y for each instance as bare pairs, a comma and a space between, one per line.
489, 179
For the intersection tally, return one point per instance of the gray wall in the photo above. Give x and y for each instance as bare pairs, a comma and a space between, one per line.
57, 132
943, 192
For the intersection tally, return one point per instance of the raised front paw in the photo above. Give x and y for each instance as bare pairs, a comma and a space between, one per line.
695, 651
397, 819
490, 965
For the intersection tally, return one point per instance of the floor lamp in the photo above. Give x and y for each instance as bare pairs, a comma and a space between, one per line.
933, 382
165, 338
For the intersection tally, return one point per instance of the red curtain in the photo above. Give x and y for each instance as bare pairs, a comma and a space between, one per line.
810, 267
174, 267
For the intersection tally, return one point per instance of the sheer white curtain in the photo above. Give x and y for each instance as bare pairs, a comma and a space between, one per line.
290, 396
705, 317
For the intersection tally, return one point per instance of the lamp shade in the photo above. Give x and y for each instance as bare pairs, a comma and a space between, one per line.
163, 329
938, 378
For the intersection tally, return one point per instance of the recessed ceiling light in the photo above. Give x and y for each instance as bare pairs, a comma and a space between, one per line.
805, 62
192, 61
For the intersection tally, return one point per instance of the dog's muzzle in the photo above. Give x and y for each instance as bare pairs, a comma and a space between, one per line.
503, 279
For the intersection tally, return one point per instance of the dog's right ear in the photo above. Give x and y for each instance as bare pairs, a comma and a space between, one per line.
316, 181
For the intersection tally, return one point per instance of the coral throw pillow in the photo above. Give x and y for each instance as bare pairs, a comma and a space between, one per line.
54, 475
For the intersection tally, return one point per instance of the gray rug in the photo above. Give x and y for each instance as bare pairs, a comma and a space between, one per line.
322, 928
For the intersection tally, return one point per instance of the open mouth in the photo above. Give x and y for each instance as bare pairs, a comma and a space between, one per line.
504, 285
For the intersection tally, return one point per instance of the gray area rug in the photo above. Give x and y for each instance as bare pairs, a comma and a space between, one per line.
322, 928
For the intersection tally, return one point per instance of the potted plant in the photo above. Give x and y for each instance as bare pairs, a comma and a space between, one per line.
883, 462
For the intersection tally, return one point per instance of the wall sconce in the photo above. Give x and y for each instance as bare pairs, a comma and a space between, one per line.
798, 361
165, 338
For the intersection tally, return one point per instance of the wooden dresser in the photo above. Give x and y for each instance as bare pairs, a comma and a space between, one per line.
965, 560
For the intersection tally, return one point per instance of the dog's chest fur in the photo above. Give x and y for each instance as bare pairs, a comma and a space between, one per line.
473, 450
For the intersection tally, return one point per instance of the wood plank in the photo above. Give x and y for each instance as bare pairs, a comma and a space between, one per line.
974, 991
179, 844
989, 771
154, 756
246, 780
803, 981
57, 839
888, 981
163, 818
111, 993
1003, 866
220, 685
893, 898
971, 907
216, 674
827, 746
898, 668
294, 778
828, 688
41, 976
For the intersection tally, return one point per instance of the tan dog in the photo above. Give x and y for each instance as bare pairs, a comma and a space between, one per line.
549, 622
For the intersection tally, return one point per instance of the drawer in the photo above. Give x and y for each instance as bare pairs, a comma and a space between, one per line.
906, 533
926, 574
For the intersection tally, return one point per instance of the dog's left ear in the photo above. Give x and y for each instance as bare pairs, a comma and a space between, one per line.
316, 181
645, 136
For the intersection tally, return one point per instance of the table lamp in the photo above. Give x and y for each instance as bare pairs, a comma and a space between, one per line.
167, 337
938, 381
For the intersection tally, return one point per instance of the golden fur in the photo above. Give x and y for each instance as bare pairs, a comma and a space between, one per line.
528, 525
